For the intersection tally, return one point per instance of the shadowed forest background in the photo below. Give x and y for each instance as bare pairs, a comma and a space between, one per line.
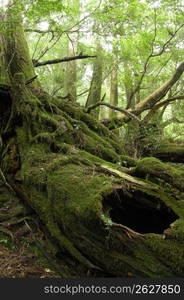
91, 138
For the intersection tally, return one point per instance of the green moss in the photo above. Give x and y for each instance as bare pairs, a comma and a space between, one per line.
23, 139
177, 229
128, 161
171, 148
170, 152
169, 198
93, 124
62, 177
45, 137
47, 120
169, 252
155, 168
63, 199
67, 191
93, 146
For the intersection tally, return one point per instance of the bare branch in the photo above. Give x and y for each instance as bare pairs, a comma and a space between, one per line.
146, 62
159, 105
168, 101
86, 17
37, 43
118, 122
152, 54
170, 121
58, 31
84, 92
56, 91
167, 42
162, 67
157, 95
68, 30
103, 97
31, 80
122, 110
49, 47
59, 60
41, 31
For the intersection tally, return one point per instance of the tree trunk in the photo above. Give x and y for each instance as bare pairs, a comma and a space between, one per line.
128, 82
170, 152
159, 93
132, 135
94, 95
102, 217
113, 91
71, 73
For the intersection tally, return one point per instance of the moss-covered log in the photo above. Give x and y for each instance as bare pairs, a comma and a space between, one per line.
170, 152
155, 170
104, 221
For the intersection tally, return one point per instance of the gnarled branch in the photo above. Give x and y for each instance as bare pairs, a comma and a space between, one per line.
152, 54
159, 105
122, 110
152, 99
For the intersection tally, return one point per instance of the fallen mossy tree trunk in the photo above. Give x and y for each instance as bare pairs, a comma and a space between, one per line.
170, 152
73, 172
104, 221
103, 224
157, 171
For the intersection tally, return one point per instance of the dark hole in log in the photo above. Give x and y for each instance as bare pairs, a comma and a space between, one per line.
5, 99
138, 211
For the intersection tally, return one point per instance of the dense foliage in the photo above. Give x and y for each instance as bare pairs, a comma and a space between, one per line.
141, 39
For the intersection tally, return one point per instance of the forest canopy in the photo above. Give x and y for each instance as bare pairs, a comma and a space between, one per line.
139, 43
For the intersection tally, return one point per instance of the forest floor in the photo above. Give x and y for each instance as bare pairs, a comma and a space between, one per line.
21, 244
21, 263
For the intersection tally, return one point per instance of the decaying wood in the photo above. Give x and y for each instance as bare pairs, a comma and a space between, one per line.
127, 177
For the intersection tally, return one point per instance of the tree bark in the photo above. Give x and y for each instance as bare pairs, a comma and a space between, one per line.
94, 95
114, 91
150, 102
157, 95
60, 60
71, 73
170, 152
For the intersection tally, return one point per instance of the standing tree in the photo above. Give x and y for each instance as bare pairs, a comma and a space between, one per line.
114, 90
114, 84
71, 73
94, 95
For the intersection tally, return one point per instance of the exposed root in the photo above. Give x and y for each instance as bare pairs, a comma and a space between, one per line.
70, 248
5, 183
129, 232
7, 232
